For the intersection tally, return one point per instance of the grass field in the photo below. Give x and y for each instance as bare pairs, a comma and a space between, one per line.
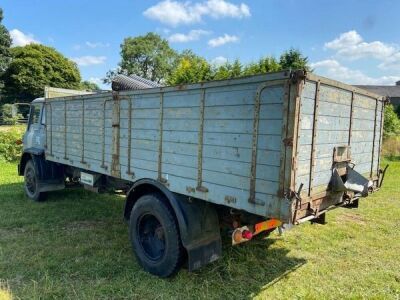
76, 246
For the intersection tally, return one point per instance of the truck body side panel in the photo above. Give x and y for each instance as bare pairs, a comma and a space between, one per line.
247, 143
198, 140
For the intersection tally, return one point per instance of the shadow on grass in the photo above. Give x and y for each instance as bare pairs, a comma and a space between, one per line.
79, 237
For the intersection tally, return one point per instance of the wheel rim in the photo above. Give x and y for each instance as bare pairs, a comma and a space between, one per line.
151, 237
30, 181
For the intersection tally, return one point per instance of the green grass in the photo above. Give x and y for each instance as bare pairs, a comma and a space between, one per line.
76, 246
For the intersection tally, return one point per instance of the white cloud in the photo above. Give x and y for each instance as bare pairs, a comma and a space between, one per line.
89, 60
95, 80
219, 61
193, 35
391, 63
97, 44
351, 45
333, 69
175, 13
21, 39
222, 40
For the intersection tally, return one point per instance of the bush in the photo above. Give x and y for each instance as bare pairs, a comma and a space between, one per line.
6, 113
391, 125
10, 148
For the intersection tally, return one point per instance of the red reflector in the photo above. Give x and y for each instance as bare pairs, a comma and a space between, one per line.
246, 234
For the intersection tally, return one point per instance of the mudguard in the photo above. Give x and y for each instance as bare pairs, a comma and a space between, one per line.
198, 223
50, 174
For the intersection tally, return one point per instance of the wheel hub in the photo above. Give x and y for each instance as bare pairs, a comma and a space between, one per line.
30, 181
151, 237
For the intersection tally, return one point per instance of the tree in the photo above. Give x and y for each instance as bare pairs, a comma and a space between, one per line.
35, 66
228, 70
5, 44
264, 65
148, 56
88, 86
190, 68
294, 59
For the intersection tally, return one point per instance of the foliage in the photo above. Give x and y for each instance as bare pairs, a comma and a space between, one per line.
6, 115
263, 65
391, 126
148, 56
35, 66
293, 59
88, 86
5, 44
190, 69
228, 70
10, 148
151, 57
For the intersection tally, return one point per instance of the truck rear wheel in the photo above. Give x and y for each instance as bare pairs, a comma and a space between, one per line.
32, 182
154, 235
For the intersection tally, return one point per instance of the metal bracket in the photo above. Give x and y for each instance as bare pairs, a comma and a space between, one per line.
202, 189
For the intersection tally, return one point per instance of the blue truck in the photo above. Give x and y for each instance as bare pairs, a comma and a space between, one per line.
243, 156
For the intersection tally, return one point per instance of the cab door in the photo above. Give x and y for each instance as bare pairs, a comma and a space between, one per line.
34, 137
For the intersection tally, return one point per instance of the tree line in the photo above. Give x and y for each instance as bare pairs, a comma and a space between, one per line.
150, 56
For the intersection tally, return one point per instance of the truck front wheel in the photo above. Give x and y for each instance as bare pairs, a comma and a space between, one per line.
155, 236
32, 182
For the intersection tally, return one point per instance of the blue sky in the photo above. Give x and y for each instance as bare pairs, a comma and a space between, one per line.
353, 41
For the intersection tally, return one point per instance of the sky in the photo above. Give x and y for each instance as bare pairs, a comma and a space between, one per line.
357, 42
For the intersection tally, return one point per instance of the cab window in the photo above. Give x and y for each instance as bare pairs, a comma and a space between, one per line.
35, 113
43, 122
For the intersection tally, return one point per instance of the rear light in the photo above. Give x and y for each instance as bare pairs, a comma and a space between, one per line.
240, 235
247, 234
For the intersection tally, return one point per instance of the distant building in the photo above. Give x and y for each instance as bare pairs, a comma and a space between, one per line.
393, 91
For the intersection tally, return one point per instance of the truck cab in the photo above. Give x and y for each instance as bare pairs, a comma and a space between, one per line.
40, 175
35, 135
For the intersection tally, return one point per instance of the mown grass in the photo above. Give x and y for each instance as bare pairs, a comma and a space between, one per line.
75, 246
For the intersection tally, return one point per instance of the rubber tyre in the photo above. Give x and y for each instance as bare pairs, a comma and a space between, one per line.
152, 207
31, 183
